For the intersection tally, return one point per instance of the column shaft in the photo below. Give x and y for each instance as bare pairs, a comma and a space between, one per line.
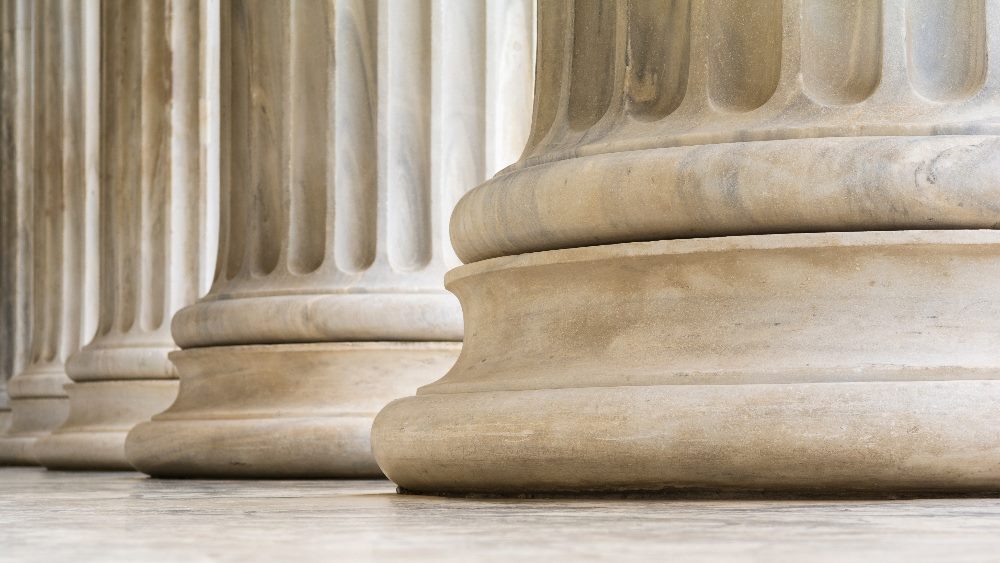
349, 131
63, 212
156, 226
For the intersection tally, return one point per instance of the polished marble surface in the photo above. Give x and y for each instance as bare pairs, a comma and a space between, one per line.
65, 516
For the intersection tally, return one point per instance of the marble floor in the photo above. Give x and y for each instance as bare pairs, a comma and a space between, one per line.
62, 516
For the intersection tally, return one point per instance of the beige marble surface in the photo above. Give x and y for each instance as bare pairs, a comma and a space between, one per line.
63, 232
338, 179
125, 517
341, 159
725, 134
811, 361
662, 120
291, 410
158, 232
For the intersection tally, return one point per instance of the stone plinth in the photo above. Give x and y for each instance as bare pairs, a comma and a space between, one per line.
348, 135
157, 227
657, 297
62, 217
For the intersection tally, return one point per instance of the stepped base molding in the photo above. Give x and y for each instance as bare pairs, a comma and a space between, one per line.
289, 410
31, 419
100, 417
826, 362
734, 188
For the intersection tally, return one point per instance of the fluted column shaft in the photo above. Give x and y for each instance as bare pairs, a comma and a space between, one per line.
350, 129
63, 208
14, 224
157, 225
749, 245
339, 177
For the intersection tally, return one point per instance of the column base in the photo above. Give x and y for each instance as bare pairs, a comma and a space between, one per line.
813, 438
838, 363
289, 410
101, 413
30, 419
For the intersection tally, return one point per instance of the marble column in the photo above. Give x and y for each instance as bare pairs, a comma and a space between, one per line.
349, 130
57, 175
14, 224
157, 222
748, 246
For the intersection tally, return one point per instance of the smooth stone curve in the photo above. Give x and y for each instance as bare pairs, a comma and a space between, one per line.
364, 316
739, 188
926, 436
108, 361
100, 416
836, 361
287, 410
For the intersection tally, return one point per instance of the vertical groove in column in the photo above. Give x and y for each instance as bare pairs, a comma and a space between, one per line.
310, 74
234, 115
186, 242
355, 145
208, 108
553, 26
462, 126
267, 43
946, 47
122, 97
74, 175
112, 117
507, 105
745, 61
658, 57
841, 49
406, 99
90, 112
153, 192
594, 38
27, 106
49, 205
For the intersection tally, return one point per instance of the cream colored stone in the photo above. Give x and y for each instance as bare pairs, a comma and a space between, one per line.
807, 362
603, 353
14, 224
291, 410
733, 117
349, 131
56, 172
157, 197
101, 413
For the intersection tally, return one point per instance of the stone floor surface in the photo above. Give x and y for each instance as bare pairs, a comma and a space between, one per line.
79, 517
